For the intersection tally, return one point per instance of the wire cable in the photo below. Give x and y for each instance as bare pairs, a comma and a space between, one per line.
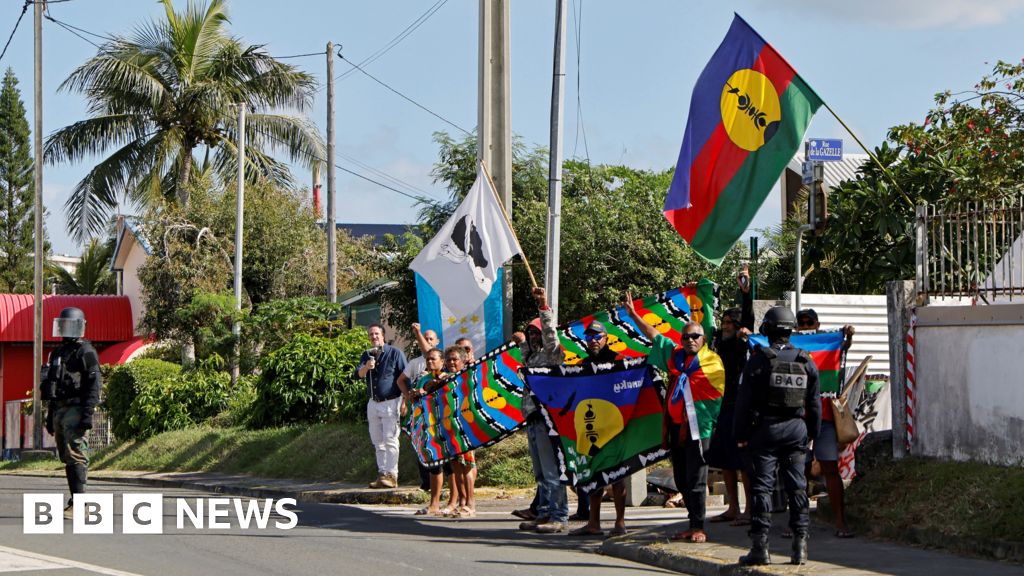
415, 103
24, 9
398, 38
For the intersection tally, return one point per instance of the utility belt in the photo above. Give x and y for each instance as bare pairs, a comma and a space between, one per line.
386, 398
60, 403
777, 418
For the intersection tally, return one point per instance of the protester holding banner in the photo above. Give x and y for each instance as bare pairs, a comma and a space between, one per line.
826, 446
435, 475
464, 464
598, 352
542, 348
730, 342
696, 383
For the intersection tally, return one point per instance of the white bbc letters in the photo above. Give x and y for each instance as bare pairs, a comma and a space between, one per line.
142, 514
43, 513
93, 514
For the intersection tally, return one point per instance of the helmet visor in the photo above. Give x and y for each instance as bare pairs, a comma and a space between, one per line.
68, 327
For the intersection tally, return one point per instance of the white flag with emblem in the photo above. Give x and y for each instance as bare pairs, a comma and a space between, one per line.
462, 261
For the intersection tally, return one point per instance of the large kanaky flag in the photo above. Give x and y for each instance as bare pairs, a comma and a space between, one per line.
461, 262
748, 114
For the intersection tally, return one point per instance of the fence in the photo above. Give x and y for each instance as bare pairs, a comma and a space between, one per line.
17, 432
973, 250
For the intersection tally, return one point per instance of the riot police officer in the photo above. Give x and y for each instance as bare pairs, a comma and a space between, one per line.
777, 411
71, 385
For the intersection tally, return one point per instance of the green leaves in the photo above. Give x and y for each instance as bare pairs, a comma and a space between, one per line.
312, 379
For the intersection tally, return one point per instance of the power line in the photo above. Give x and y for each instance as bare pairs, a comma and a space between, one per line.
417, 104
24, 9
399, 37
69, 28
320, 53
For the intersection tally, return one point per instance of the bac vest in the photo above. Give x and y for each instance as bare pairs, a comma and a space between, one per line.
787, 381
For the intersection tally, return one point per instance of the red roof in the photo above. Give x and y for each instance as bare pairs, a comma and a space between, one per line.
123, 351
107, 318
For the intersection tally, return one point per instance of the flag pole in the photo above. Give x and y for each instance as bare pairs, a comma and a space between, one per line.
504, 213
869, 152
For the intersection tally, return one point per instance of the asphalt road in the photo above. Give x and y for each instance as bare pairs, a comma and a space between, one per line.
329, 539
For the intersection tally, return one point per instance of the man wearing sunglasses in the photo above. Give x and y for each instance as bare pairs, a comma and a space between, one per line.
687, 435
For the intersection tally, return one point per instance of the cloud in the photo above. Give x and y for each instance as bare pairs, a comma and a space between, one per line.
911, 14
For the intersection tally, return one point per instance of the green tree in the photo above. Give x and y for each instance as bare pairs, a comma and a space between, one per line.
168, 91
92, 276
969, 148
17, 191
614, 237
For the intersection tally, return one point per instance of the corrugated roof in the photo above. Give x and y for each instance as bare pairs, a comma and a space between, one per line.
108, 318
835, 172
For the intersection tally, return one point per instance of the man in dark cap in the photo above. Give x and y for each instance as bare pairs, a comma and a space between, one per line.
589, 508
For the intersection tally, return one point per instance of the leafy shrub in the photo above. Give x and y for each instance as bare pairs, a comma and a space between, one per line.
311, 379
275, 323
123, 385
179, 401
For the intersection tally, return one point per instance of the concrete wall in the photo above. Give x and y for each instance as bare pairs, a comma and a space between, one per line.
970, 383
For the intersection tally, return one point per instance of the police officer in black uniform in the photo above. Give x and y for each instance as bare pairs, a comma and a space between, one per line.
71, 386
778, 409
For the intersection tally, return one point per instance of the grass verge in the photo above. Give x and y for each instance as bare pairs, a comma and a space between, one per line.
966, 507
322, 452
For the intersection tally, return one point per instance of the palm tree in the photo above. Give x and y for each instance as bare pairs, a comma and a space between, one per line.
168, 92
92, 276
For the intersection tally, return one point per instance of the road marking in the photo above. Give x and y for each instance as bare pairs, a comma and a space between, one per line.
11, 558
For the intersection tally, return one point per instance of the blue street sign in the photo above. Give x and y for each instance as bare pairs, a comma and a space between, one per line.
825, 149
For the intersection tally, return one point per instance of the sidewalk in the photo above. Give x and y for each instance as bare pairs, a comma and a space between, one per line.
830, 556
646, 543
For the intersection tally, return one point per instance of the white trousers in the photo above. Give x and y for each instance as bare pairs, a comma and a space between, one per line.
384, 420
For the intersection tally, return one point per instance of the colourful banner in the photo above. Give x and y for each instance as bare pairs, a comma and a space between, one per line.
668, 312
604, 421
477, 407
481, 405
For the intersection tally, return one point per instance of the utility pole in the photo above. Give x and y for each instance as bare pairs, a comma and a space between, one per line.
37, 347
551, 267
494, 122
236, 329
332, 233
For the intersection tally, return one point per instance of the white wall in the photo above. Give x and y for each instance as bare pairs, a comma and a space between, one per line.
132, 287
970, 383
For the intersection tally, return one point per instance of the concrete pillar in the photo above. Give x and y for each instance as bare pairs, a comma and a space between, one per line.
900, 296
636, 488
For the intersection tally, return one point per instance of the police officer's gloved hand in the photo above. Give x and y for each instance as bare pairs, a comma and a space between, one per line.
85, 423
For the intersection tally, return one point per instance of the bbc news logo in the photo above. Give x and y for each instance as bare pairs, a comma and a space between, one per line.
93, 513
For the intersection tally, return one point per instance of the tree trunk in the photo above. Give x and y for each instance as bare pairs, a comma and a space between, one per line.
183, 176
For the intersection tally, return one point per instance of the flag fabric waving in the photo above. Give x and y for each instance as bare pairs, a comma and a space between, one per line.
605, 421
748, 114
481, 405
483, 326
697, 391
668, 312
461, 262
477, 407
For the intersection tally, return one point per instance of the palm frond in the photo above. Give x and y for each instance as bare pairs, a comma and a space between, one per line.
93, 136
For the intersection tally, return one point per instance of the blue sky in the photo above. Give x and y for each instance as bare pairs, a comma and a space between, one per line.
876, 62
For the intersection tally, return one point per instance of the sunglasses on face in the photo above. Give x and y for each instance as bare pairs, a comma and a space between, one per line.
692, 336
592, 337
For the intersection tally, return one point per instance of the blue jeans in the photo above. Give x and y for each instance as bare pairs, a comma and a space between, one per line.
552, 500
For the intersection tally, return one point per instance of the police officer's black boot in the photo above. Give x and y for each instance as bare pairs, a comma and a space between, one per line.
71, 471
799, 549
758, 554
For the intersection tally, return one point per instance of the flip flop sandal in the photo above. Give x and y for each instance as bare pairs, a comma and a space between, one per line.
584, 531
465, 513
618, 532
722, 518
422, 512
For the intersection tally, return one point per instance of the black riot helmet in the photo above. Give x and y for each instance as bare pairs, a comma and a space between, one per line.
70, 324
778, 322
